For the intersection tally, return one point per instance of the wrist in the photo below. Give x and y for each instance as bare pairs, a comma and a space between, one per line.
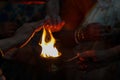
53, 7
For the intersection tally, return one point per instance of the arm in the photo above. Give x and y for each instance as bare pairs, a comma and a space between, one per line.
93, 59
53, 7
22, 36
52, 18
101, 56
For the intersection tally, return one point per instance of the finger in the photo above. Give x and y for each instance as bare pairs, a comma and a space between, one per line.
47, 26
81, 59
50, 21
55, 28
57, 25
83, 66
60, 26
62, 23
54, 22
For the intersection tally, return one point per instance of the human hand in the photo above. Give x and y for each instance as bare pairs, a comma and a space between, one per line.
91, 59
54, 23
96, 31
26, 32
84, 56
85, 60
52, 18
29, 28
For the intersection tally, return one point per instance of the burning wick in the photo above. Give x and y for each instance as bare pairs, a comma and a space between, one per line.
48, 48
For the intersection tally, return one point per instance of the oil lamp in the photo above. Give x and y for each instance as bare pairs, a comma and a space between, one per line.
49, 53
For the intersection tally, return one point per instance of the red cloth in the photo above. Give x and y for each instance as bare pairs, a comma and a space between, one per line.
74, 11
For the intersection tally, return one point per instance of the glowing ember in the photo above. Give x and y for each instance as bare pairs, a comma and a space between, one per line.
48, 48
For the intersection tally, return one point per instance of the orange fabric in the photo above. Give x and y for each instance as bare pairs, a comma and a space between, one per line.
74, 11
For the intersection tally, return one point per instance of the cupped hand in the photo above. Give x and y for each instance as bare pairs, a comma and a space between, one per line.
92, 59
54, 23
85, 59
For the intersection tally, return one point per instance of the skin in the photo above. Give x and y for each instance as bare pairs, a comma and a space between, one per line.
22, 36
52, 18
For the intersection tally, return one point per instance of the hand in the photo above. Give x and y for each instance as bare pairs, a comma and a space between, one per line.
30, 27
52, 18
85, 56
84, 60
54, 23
95, 55
22, 36
26, 32
91, 59
95, 31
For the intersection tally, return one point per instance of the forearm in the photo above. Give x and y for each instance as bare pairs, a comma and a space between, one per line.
53, 7
21, 36
5, 44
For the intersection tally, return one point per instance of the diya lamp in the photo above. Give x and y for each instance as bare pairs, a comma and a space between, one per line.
49, 54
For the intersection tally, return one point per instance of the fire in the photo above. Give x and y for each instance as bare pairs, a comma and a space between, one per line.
48, 48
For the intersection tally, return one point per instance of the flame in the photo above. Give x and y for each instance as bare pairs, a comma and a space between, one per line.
48, 48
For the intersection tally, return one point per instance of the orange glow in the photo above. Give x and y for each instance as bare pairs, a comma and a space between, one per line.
48, 48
